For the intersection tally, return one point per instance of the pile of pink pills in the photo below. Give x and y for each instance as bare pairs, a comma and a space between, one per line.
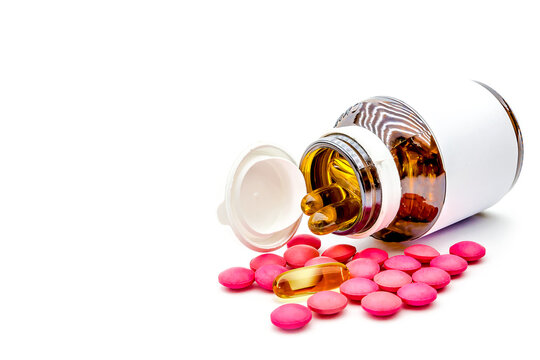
379, 283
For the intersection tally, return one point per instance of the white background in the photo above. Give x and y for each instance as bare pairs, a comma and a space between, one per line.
119, 122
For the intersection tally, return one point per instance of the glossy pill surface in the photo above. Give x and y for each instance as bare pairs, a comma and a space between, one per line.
310, 280
304, 239
421, 252
291, 316
266, 259
327, 302
236, 278
320, 260
468, 250
381, 303
340, 252
378, 255
417, 294
452, 264
365, 268
357, 288
402, 262
392, 280
434, 277
296, 256
266, 274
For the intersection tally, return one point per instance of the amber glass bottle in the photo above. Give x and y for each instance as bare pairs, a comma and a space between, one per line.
454, 155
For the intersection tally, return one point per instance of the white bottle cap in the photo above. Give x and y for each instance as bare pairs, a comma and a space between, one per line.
262, 198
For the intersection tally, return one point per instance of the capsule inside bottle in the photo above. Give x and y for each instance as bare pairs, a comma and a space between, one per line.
334, 217
334, 201
310, 280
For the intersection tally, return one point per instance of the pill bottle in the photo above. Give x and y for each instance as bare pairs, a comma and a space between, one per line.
393, 167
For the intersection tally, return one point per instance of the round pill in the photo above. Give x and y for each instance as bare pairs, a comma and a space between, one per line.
305, 239
375, 254
402, 262
417, 294
357, 288
468, 250
236, 278
327, 302
421, 252
452, 264
266, 259
319, 260
365, 268
434, 277
296, 256
381, 303
340, 252
265, 275
291, 316
392, 280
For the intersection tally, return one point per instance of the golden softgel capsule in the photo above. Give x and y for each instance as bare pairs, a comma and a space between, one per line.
310, 279
336, 205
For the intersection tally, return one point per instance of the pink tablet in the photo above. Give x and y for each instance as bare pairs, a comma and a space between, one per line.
378, 255
291, 316
468, 250
452, 264
402, 262
365, 268
392, 280
421, 252
381, 303
296, 256
327, 302
417, 294
319, 260
357, 288
340, 252
434, 277
266, 259
305, 239
265, 275
236, 278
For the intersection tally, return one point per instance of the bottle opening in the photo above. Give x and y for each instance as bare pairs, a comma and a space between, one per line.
342, 184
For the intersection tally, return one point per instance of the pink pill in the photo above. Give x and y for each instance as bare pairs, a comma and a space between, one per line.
375, 254
452, 264
327, 302
340, 252
434, 277
266, 274
402, 262
392, 280
320, 260
417, 294
296, 256
381, 303
468, 250
421, 252
357, 288
266, 259
291, 316
236, 278
305, 239
365, 268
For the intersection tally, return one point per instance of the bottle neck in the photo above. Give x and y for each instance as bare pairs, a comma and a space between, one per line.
367, 187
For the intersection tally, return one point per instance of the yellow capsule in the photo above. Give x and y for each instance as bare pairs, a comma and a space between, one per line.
317, 199
335, 217
342, 173
310, 279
